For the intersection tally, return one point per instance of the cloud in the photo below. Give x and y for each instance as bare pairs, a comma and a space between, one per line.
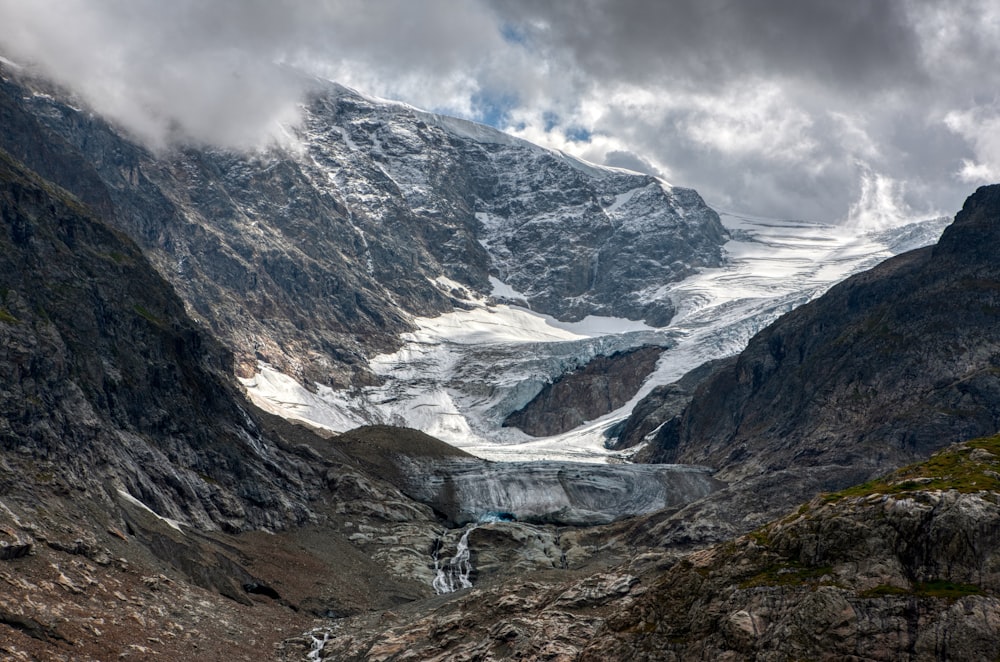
785, 108
710, 42
776, 107
209, 72
981, 128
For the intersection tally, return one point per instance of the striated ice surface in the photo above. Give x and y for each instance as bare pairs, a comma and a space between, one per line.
461, 373
468, 490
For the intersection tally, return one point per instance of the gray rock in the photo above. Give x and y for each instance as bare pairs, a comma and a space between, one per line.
882, 573
601, 386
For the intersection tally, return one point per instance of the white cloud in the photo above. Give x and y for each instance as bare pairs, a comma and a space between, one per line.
766, 107
981, 128
881, 203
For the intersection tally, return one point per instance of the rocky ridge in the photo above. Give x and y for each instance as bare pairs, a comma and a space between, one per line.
883, 369
903, 568
602, 385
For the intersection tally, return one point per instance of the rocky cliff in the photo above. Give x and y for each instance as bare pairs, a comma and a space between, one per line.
602, 385
883, 369
108, 386
903, 568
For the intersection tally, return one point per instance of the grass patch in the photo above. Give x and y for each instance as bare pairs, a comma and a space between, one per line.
761, 536
5, 316
883, 590
946, 590
148, 316
961, 467
938, 589
116, 257
790, 574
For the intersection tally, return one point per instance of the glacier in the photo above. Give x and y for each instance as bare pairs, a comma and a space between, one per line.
460, 374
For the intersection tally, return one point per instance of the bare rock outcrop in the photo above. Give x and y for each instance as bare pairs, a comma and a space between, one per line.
602, 385
903, 568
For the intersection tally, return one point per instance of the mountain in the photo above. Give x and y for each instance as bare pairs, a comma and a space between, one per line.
120, 429
883, 369
313, 257
109, 388
332, 267
460, 375
147, 509
394, 263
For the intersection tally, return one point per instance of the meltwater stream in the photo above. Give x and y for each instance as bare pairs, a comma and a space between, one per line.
453, 574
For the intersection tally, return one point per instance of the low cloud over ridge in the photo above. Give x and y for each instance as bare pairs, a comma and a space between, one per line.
780, 108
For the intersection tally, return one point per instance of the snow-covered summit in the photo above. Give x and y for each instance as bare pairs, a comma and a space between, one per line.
574, 238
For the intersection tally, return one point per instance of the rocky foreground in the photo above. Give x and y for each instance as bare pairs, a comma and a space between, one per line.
902, 568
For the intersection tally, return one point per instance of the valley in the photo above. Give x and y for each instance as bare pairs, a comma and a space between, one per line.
268, 405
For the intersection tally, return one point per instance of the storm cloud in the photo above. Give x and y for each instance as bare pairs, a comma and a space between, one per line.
862, 112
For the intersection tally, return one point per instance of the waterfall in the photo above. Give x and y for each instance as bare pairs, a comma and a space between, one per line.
317, 645
453, 574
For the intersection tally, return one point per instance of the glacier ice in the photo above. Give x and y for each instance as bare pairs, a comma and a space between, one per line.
460, 374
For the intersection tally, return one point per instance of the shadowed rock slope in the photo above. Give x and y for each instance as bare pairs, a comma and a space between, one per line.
883, 369
107, 386
603, 385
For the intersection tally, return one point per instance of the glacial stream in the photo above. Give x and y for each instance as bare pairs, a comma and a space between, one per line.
453, 574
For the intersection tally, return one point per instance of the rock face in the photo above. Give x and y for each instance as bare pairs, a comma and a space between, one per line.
663, 404
902, 569
603, 385
883, 369
467, 489
312, 260
108, 386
